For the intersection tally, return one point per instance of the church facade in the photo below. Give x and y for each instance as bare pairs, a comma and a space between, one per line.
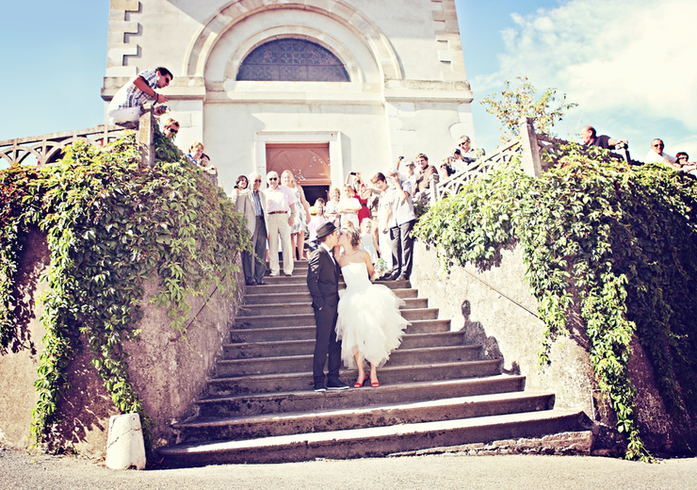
321, 87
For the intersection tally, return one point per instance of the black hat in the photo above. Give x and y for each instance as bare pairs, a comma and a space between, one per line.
325, 230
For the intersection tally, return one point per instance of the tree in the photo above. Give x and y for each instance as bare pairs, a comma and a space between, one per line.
520, 102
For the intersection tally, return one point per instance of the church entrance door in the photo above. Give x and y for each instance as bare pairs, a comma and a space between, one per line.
309, 163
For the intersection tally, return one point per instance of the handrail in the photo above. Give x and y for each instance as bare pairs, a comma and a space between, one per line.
47, 148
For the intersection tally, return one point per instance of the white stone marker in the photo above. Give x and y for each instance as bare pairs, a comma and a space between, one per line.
125, 447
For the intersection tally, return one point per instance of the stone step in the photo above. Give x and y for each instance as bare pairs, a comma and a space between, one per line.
305, 307
297, 401
264, 334
298, 266
270, 425
256, 298
375, 441
268, 319
226, 368
299, 347
290, 284
298, 381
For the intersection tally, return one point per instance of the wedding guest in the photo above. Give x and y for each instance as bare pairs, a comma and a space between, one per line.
280, 205
331, 210
684, 163
656, 154
195, 152
349, 207
171, 128
369, 324
406, 169
404, 219
127, 105
241, 184
252, 204
211, 172
317, 219
588, 135
423, 179
362, 193
302, 215
368, 242
380, 187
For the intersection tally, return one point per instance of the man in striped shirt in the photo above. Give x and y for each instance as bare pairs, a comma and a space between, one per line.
127, 104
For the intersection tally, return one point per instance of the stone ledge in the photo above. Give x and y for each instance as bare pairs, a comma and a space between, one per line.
563, 443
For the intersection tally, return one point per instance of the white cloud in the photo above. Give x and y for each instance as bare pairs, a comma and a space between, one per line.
634, 58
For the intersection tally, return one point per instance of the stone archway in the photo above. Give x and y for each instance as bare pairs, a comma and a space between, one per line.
205, 41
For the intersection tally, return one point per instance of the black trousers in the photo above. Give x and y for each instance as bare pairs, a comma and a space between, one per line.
326, 344
402, 247
255, 268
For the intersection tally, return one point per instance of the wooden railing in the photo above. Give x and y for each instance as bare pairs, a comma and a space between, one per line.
48, 148
453, 184
529, 147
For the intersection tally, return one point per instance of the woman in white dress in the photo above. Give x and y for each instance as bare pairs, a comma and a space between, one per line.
368, 242
302, 213
369, 324
349, 207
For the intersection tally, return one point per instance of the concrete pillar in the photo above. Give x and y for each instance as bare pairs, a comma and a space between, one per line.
125, 447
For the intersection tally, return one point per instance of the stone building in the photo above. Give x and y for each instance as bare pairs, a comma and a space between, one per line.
323, 87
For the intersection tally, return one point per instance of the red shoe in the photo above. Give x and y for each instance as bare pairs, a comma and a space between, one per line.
375, 384
358, 384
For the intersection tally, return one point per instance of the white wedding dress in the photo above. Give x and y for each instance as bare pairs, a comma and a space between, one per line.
368, 321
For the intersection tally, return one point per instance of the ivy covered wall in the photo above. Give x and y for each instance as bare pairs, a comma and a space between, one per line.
610, 253
135, 258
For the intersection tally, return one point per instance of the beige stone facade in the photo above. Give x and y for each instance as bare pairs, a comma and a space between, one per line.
407, 93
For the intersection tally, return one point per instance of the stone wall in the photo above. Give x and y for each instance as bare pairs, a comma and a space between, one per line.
168, 371
495, 308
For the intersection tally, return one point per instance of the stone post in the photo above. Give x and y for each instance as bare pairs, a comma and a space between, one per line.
125, 448
145, 137
531, 151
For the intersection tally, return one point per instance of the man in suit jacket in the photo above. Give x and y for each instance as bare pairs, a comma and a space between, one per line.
323, 283
252, 205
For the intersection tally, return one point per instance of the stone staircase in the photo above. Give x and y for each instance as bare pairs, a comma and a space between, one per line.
435, 391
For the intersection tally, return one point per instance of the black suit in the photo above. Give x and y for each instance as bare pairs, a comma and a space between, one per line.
323, 282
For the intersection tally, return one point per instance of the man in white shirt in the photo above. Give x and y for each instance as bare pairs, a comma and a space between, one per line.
280, 206
656, 154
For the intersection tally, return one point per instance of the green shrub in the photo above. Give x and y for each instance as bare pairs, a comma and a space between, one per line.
617, 242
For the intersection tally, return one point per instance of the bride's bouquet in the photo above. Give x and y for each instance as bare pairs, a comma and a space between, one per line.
380, 267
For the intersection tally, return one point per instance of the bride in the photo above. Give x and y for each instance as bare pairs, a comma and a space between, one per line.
369, 323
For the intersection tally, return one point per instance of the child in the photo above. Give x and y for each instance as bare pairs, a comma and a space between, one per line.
317, 220
368, 240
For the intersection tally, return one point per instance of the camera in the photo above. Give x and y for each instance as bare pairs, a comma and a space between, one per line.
352, 173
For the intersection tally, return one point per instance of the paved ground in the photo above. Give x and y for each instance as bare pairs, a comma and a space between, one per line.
21, 471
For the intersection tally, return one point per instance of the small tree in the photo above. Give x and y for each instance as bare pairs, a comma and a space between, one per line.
520, 102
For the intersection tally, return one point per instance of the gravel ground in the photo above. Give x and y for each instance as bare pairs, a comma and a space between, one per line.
19, 470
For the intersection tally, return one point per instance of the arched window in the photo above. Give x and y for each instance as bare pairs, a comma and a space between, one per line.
294, 60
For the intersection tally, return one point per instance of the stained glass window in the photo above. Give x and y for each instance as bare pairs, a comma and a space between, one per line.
294, 60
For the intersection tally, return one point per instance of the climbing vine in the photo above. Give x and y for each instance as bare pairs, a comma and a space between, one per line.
111, 224
616, 242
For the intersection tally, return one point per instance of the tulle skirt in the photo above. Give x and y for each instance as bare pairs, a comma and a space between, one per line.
369, 322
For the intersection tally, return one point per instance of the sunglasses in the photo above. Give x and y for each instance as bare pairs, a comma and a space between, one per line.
273, 178
167, 79
175, 131
659, 145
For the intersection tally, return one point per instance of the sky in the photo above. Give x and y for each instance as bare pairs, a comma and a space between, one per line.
629, 64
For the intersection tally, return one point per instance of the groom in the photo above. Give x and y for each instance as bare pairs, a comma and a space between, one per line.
323, 282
